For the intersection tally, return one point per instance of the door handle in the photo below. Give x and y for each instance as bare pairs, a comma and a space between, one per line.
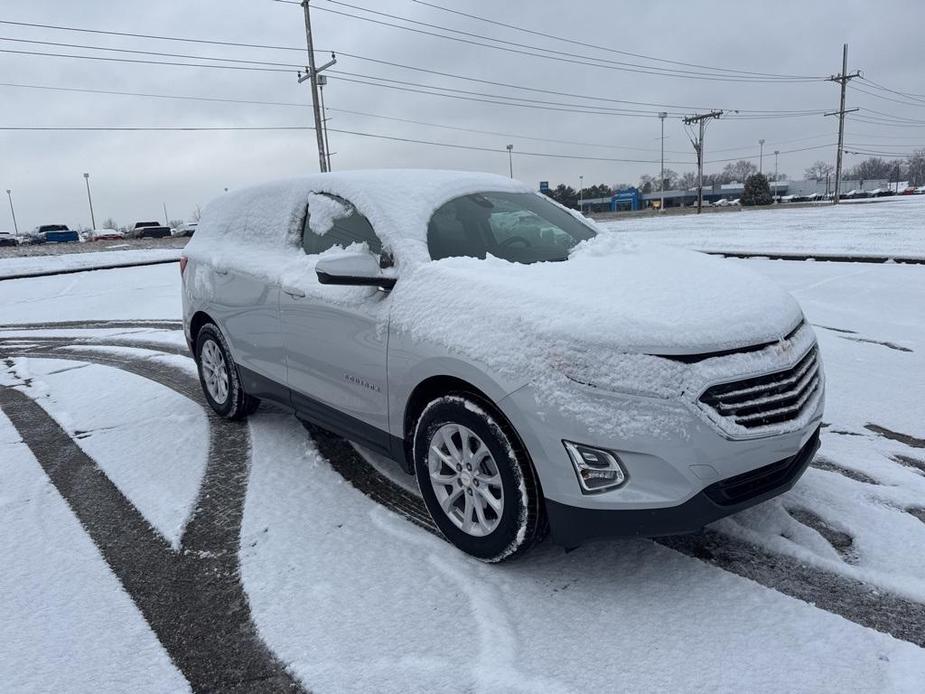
221, 271
294, 293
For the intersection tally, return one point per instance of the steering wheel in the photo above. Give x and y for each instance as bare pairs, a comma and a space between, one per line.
515, 239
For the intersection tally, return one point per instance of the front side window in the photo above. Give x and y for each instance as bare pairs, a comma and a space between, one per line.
348, 226
519, 227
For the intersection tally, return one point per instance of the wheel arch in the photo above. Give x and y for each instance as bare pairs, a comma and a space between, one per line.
199, 319
437, 386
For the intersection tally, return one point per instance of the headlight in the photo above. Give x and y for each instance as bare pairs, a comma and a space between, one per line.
598, 470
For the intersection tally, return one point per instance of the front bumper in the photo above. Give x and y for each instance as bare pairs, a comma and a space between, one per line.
571, 525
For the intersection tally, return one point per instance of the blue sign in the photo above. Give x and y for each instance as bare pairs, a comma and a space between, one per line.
544, 186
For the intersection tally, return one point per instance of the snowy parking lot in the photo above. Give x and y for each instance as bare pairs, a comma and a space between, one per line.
890, 227
150, 547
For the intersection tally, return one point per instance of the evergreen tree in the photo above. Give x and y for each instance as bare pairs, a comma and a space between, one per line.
757, 191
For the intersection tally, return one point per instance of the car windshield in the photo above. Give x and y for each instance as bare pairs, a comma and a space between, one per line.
519, 227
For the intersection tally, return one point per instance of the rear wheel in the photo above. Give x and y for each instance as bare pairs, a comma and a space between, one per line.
477, 483
219, 376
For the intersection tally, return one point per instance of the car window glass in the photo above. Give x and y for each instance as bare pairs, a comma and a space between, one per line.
520, 227
350, 228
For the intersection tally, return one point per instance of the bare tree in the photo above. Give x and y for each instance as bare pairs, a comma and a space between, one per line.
738, 171
915, 167
819, 171
875, 167
687, 180
197, 213
110, 223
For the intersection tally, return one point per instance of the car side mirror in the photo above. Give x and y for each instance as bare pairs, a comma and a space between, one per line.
356, 269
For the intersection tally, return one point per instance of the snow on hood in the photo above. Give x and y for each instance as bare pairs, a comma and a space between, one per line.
638, 299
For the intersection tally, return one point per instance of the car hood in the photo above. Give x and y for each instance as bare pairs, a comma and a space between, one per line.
632, 299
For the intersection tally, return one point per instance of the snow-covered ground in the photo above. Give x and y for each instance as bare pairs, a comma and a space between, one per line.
352, 597
32, 264
887, 227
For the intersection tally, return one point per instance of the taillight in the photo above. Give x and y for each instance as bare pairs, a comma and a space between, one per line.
183, 261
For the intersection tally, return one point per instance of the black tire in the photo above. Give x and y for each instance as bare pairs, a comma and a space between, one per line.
237, 404
521, 523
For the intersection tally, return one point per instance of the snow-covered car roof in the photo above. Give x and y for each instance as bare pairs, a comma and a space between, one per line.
397, 202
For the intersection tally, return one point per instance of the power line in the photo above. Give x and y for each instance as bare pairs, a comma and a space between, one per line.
877, 85
756, 113
884, 122
334, 110
143, 62
605, 48
920, 104
567, 55
358, 133
536, 104
783, 151
879, 154
510, 47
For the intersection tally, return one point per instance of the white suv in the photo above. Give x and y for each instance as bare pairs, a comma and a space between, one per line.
534, 372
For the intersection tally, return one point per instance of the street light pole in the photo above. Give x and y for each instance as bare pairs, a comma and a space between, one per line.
661, 205
510, 159
761, 156
90, 200
9, 194
776, 153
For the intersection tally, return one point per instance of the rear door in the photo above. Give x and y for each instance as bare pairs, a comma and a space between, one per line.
336, 342
247, 309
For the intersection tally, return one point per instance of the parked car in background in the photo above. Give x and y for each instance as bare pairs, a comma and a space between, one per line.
186, 229
105, 235
473, 330
8, 238
55, 233
149, 230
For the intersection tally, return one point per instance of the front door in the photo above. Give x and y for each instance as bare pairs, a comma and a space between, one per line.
336, 339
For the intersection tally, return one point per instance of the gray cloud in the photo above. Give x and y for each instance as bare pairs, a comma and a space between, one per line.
133, 173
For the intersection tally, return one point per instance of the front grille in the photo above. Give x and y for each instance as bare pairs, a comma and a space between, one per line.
741, 488
771, 399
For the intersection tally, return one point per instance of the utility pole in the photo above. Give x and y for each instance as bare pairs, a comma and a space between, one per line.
843, 78
90, 200
760, 156
9, 194
662, 115
311, 73
581, 187
166, 221
322, 83
776, 152
510, 159
701, 119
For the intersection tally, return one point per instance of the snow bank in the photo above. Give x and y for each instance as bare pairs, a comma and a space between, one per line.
25, 265
887, 228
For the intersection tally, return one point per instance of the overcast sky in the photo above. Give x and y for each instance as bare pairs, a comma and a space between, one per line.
133, 173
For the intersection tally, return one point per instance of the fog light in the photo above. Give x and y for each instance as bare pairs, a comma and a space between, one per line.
597, 469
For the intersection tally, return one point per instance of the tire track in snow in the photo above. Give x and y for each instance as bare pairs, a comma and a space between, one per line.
856, 601
846, 597
192, 599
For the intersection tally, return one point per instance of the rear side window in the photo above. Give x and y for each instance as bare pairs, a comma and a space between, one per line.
350, 227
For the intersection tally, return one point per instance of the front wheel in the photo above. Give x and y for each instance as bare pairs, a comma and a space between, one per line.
476, 481
219, 377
